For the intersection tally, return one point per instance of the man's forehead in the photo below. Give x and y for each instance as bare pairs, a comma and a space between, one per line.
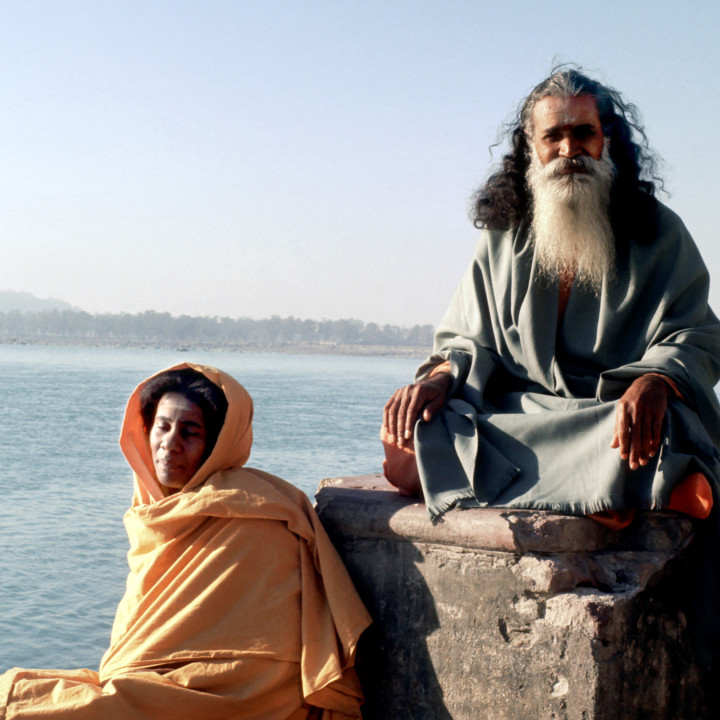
567, 111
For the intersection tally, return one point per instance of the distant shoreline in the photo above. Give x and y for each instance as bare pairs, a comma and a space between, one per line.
289, 348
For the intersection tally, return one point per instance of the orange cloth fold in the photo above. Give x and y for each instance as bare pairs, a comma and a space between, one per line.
400, 466
691, 496
237, 604
443, 367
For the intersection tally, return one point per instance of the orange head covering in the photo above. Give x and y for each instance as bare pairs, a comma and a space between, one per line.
231, 450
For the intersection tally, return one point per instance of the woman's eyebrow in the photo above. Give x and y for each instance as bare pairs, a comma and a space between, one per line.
183, 422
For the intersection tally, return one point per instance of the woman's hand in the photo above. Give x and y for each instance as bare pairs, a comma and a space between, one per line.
403, 408
639, 419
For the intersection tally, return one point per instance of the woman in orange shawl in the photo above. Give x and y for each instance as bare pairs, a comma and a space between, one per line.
237, 605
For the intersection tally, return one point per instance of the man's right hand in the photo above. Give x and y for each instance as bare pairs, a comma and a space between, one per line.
403, 408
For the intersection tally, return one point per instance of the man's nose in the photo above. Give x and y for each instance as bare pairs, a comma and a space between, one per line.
569, 147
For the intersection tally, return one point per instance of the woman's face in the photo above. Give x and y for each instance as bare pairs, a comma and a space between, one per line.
177, 440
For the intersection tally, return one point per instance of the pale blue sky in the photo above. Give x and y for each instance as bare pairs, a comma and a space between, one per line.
306, 157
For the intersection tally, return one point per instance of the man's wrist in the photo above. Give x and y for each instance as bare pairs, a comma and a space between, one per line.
442, 379
668, 384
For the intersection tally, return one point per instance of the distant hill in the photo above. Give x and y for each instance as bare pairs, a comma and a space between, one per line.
25, 302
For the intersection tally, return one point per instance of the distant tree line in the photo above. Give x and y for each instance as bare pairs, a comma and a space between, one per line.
163, 329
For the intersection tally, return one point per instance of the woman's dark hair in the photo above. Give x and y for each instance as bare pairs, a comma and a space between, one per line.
195, 387
504, 199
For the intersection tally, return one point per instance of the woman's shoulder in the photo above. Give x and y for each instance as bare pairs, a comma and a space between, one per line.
259, 483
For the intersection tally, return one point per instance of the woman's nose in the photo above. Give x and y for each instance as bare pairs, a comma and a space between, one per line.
170, 439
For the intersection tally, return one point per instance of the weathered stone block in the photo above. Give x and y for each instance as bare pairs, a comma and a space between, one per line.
515, 615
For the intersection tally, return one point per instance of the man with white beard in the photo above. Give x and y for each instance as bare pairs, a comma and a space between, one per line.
574, 369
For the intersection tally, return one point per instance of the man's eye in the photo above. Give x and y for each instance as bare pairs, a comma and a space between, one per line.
584, 132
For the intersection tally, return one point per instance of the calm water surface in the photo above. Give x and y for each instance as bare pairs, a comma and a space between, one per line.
65, 485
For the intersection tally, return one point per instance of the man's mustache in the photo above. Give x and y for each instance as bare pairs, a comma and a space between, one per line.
582, 163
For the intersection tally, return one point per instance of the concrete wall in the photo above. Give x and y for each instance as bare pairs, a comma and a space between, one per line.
522, 615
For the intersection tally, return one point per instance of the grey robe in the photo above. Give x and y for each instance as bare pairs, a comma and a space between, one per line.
533, 400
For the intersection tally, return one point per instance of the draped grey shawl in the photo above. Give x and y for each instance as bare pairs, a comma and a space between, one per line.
533, 400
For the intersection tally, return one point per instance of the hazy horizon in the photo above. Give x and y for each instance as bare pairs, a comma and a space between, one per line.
41, 304
310, 158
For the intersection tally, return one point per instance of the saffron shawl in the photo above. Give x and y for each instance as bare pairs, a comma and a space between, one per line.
237, 604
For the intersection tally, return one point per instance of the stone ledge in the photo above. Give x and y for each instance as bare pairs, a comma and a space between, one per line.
368, 506
515, 615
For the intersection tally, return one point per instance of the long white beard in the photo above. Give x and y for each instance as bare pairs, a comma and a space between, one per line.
571, 225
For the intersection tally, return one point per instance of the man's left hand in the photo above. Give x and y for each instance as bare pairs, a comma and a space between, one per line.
639, 419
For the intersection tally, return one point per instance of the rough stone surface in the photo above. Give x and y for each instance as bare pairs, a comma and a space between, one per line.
499, 615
